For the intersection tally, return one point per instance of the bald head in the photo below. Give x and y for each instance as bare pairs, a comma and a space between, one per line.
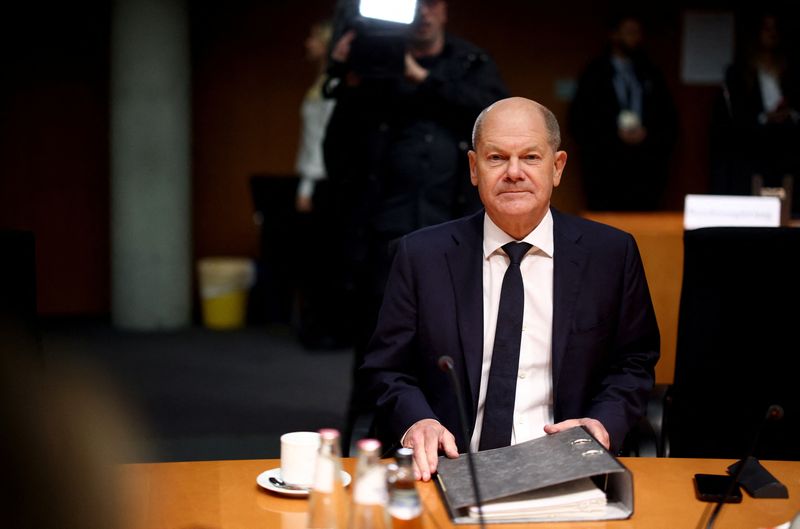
520, 104
516, 163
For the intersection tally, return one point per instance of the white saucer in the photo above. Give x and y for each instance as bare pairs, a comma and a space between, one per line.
263, 481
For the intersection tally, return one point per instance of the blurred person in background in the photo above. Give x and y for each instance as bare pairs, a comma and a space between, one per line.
315, 112
756, 121
396, 145
318, 322
623, 121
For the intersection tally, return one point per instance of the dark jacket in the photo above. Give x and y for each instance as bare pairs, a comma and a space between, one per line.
605, 337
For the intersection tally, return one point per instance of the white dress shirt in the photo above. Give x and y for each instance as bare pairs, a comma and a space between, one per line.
627, 86
771, 93
309, 164
533, 405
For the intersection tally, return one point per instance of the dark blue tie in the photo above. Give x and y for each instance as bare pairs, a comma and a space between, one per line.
498, 410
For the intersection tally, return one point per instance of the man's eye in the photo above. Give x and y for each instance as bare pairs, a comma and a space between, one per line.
495, 157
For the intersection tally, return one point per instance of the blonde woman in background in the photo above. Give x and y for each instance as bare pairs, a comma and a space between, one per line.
320, 325
315, 112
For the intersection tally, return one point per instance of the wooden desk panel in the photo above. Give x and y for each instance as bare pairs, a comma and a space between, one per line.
224, 494
659, 236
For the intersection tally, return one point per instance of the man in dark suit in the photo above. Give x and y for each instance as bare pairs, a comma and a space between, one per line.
588, 340
624, 123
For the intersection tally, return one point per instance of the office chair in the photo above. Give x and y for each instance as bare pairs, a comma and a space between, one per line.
738, 350
648, 437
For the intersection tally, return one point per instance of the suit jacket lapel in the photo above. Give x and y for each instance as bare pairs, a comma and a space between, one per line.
464, 259
569, 261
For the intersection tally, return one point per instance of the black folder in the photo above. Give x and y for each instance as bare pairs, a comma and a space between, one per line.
553, 460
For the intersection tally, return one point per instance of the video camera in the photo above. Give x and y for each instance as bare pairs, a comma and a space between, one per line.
381, 30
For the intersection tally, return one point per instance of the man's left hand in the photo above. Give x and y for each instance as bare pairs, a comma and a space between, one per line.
414, 72
632, 136
594, 426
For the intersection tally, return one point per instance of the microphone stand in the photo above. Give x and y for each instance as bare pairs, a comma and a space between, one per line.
774, 413
446, 365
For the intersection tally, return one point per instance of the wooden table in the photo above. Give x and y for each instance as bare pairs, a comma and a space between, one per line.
224, 494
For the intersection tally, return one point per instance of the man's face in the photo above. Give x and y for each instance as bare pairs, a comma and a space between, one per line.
769, 35
316, 44
629, 35
514, 166
429, 23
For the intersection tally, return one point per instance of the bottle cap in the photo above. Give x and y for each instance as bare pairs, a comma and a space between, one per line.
404, 453
329, 433
369, 445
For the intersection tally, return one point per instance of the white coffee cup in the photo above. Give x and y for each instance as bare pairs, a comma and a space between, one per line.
299, 457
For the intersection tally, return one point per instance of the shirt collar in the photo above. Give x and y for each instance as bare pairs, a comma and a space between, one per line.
541, 237
621, 64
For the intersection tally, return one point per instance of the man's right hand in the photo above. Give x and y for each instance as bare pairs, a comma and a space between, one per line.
426, 438
341, 50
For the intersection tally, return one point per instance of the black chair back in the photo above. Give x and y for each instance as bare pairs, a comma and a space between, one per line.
738, 349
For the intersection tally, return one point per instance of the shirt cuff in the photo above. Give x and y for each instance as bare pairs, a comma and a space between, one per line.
403, 438
306, 187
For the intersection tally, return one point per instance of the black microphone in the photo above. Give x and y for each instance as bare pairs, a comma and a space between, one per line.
774, 413
446, 364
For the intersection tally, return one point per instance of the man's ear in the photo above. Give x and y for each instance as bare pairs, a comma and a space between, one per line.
559, 162
473, 162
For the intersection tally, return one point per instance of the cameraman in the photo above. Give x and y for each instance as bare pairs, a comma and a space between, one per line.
395, 147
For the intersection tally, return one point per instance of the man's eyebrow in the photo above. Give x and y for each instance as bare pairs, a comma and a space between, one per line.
493, 147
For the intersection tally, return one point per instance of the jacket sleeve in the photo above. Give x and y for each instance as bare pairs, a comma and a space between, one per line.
630, 374
390, 367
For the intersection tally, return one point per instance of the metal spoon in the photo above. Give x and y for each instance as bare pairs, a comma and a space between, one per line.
282, 484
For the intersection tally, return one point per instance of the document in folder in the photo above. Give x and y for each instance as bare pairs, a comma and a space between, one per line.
579, 499
562, 477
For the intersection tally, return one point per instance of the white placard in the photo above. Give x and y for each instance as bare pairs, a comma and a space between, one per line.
706, 211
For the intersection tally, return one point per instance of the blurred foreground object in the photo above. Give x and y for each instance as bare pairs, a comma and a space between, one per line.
63, 433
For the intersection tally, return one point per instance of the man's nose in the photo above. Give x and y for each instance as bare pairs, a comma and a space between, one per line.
513, 170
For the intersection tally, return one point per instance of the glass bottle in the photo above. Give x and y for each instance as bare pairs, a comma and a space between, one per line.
405, 505
327, 506
369, 491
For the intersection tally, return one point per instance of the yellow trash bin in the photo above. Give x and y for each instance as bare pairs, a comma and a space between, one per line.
224, 286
